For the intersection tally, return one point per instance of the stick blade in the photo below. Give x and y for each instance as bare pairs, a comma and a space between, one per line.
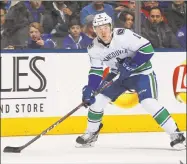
10, 149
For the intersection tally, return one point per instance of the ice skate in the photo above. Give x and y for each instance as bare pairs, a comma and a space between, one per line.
178, 141
88, 139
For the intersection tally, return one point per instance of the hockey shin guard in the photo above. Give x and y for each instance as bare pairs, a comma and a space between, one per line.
96, 111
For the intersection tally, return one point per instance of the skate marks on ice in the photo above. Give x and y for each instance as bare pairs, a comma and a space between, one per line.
128, 148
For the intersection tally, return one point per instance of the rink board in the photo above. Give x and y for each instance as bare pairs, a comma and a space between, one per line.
44, 87
77, 124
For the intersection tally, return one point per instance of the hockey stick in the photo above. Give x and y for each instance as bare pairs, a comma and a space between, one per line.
10, 149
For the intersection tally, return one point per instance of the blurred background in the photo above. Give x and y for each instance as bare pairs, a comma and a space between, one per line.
68, 24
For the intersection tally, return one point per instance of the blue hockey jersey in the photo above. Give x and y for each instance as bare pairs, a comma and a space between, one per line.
69, 42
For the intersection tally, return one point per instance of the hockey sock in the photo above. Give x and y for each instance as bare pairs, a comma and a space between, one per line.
160, 114
94, 120
164, 119
95, 113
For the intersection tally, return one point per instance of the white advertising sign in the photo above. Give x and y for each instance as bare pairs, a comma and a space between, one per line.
47, 85
28, 85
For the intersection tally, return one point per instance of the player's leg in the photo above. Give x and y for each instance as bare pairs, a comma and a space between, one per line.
95, 114
94, 125
147, 92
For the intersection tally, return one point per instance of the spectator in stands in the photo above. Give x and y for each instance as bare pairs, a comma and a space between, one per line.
18, 19
88, 28
146, 7
34, 9
56, 18
131, 5
69, 7
164, 4
76, 39
125, 19
39, 40
150, 4
122, 5
16, 26
176, 15
2, 14
82, 4
158, 32
117, 6
181, 36
94, 8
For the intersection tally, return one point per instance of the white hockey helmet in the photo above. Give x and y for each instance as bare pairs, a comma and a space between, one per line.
101, 19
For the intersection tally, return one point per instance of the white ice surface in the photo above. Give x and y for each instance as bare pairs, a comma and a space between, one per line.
126, 148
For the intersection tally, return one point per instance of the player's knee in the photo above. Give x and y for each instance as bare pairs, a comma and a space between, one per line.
151, 105
100, 103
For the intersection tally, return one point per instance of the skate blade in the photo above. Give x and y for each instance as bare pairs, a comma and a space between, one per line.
179, 146
89, 145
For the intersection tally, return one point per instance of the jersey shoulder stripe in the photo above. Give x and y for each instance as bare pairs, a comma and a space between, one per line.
146, 49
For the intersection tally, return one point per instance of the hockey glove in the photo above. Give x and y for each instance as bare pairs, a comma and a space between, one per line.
126, 68
87, 97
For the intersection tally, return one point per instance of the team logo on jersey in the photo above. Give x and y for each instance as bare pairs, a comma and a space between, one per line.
180, 83
120, 31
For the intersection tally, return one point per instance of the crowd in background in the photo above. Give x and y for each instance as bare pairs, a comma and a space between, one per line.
68, 24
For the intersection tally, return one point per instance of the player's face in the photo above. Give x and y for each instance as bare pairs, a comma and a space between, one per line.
2, 13
34, 33
155, 16
132, 4
36, 4
129, 21
75, 30
104, 32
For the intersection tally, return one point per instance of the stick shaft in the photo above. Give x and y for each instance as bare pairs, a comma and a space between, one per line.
62, 119
52, 126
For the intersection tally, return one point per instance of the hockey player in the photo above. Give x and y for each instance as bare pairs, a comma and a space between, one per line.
128, 54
